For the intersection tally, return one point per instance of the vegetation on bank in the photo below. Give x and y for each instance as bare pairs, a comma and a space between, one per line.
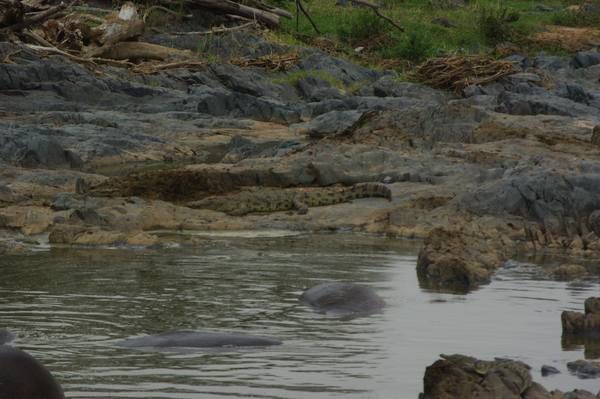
437, 27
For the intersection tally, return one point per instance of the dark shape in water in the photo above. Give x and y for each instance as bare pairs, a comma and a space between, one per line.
196, 339
6, 336
549, 370
23, 377
344, 299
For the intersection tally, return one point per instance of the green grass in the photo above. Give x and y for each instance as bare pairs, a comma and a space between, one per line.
477, 27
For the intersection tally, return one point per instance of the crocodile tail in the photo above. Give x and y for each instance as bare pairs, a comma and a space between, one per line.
363, 190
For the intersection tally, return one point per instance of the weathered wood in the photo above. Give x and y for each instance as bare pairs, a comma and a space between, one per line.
267, 18
34, 19
142, 51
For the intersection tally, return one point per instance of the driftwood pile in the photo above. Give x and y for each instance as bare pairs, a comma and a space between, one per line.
77, 32
456, 72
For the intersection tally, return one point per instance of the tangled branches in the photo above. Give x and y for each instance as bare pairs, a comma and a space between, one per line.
457, 72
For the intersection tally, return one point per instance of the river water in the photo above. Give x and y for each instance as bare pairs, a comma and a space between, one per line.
69, 306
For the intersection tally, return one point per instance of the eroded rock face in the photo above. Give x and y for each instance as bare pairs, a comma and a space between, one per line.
461, 377
583, 324
457, 260
343, 299
23, 377
196, 339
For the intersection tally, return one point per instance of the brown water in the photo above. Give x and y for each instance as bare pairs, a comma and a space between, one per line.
68, 306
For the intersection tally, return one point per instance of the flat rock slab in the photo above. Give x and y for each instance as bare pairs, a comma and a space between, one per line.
196, 339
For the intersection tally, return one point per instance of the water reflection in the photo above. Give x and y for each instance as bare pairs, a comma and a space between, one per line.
69, 306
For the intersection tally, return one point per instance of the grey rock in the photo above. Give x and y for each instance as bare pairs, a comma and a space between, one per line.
579, 394
329, 124
549, 370
584, 368
551, 63
540, 104
585, 59
314, 89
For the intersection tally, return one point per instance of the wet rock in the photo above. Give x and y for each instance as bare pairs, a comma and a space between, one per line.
583, 324
584, 368
573, 322
343, 299
595, 140
82, 235
460, 377
569, 272
23, 377
455, 260
28, 219
579, 394
196, 339
549, 370
594, 222
592, 305
6, 336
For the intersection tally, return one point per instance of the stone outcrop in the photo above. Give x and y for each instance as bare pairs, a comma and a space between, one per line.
588, 323
464, 377
458, 259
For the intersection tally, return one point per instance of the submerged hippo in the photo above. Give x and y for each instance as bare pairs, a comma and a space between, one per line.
6, 336
196, 339
343, 299
23, 377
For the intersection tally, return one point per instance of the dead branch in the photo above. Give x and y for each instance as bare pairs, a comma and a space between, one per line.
375, 9
267, 18
300, 6
218, 30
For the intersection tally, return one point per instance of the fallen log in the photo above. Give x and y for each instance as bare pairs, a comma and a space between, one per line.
267, 18
142, 51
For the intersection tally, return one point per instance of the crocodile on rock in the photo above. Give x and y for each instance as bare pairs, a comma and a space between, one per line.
299, 199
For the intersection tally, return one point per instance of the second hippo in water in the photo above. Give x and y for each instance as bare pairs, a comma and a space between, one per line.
196, 339
343, 299
23, 377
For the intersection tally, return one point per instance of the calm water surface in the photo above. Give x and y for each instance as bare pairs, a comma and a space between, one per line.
68, 307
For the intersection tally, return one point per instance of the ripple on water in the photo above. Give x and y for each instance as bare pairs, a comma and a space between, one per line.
69, 306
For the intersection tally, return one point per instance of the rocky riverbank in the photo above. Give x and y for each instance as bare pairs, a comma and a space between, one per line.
510, 165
